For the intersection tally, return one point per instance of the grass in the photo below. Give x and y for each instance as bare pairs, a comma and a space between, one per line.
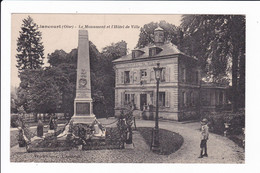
13, 138
169, 141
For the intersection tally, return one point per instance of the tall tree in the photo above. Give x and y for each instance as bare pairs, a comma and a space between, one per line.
171, 33
218, 41
105, 77
38, 91
29, 46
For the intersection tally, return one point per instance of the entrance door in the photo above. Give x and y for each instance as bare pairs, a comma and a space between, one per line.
143, 101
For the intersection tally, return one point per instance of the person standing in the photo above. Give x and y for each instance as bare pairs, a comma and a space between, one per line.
204, 138
40, 128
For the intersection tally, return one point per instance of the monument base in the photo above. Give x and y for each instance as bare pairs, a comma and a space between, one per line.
90, 120
83, 119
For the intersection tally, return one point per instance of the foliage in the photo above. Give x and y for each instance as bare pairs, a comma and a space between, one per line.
14, 120
217, 120
64, 66
13, 104
124, 124
38, 91
104, 79
29, 46
218, 41
171, 33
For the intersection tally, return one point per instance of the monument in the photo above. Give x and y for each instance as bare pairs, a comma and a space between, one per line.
83, 106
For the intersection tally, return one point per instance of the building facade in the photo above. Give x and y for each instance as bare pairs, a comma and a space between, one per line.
179, 91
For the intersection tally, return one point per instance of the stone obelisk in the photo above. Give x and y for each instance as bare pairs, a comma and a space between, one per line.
83, 107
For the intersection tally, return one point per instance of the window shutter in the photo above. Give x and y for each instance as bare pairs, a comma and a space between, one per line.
148, 75
122, 77
168, 74
167, 99
152, 75
131, 77
135, 99
122, 98
138, 75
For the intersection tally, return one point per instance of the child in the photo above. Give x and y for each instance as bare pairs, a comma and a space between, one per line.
204, 138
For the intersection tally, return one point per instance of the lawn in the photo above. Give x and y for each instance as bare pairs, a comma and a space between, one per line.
13, 138
169, 141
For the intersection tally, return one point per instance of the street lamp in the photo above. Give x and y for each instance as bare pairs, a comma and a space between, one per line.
155, 139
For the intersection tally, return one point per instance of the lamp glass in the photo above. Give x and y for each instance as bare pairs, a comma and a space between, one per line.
158, 72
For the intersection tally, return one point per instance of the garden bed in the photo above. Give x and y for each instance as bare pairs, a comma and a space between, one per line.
169, 141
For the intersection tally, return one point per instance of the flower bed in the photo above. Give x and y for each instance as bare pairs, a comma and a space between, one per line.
169, 141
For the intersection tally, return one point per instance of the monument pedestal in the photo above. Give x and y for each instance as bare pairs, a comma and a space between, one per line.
83, 111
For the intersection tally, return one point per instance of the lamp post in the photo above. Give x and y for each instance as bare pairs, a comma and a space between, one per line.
155, 140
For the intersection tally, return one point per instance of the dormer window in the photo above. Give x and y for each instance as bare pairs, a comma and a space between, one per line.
154, 51
136, 53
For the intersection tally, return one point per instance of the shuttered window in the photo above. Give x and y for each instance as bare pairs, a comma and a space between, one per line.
168, 95
161, 99
122, 77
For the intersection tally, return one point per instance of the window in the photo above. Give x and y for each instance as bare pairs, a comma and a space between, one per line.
161, 99
152, 51
221, 96
129, 99
163, 75
184, 99
127, 77
192, 103
134, 77
143, 75
152, 75
183, 75
133, 54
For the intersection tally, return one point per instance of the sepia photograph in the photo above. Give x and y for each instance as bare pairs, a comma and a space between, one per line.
127, 88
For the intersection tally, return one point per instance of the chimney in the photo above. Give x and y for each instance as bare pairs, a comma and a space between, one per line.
123, 48
158, 36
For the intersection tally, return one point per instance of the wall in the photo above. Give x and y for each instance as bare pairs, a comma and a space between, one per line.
147, 85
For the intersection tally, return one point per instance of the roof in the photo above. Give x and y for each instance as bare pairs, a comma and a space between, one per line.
158, 29
167, 49
213, 85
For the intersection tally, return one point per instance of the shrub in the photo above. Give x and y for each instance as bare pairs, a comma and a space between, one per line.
217, 120
14, 120
144, 116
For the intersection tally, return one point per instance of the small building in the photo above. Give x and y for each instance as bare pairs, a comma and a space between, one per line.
213, 97
180, 84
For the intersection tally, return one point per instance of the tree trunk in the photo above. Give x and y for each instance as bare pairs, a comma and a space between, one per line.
234, 79
241, 82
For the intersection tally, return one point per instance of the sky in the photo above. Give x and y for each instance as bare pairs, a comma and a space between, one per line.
62, 31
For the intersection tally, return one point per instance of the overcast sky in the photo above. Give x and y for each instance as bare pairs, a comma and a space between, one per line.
65, 36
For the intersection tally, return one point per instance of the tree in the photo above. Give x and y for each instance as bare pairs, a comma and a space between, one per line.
63, 66
106, 74
171, 33
29, 46
218, 41
39, 92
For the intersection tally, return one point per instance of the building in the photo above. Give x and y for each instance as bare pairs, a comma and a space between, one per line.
213, 97
179, 91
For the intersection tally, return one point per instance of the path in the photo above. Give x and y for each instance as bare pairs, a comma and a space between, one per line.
220, 149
